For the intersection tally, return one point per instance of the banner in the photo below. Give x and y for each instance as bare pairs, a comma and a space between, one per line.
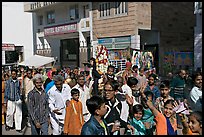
143, 59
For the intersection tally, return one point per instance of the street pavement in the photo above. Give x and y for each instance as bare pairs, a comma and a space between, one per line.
26, 131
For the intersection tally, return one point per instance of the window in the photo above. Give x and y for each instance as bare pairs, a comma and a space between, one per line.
86, 11
74, 12
70, 49
104, 9
121, 7
50, 17
40, 20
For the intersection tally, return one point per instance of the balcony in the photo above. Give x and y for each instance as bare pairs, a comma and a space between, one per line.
33, 6
44, 52
40, 34
84, 24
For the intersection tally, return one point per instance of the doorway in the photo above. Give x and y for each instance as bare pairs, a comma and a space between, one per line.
69, 52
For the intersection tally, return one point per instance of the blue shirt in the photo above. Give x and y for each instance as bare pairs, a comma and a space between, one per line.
155, 91
92, 127
49, 85
12, 90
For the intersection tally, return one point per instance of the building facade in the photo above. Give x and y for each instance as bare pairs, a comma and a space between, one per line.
71, 31
16, 33
12, 54
62, 30
164, 28
198, 36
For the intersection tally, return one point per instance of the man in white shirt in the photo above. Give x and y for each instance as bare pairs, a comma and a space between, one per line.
27, 87
28, 83
196, 93
84, 95
58, 95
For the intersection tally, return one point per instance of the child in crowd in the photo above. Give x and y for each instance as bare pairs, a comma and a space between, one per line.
148, 117
152, 87
165, 123
191, 125
130, 90
96, 125
165, 95
194, 125
136, 121
74, 117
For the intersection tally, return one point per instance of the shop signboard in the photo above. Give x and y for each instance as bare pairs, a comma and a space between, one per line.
60, 29
8, 47
115, 43
122, 40
105, 41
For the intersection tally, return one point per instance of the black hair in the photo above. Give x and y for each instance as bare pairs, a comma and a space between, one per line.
6, 74
153, 76
94, 103
111, 66
80, 75
94, 62
149, 93
76, 68
196, 74
169, 101
132, 81
29, 70
54, 73
198, 116
114, 84
135, 66
165, 83
15, 70
74, 91
138, 108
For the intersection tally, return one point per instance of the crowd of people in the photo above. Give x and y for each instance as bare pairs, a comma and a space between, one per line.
135, 102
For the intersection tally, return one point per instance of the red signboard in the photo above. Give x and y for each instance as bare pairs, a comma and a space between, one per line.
60, 29
8, 47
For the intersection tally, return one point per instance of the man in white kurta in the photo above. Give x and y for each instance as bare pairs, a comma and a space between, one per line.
84, 95
28, 84
58, 95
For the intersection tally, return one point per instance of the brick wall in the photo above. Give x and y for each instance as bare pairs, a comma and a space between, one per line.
175, 21
114, 26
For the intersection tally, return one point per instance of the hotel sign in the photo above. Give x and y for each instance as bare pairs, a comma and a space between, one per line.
8, 47
60, 29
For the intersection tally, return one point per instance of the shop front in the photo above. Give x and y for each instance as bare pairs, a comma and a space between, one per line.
64, 40
118, 50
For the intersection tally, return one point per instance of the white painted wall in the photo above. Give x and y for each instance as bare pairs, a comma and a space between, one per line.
17, 26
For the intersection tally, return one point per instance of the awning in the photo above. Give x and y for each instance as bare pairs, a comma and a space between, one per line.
37, 61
